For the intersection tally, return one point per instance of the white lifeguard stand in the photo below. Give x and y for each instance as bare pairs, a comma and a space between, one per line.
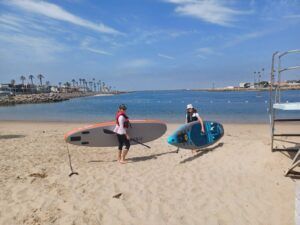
276, 104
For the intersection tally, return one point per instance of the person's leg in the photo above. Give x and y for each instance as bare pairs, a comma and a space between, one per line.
120, 140
125, 151
119, 155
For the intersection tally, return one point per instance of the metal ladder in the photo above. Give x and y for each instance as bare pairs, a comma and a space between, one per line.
276, 104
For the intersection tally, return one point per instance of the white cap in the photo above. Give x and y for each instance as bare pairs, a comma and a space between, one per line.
189, 106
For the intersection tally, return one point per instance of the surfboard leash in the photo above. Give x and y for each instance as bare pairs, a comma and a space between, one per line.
70, 163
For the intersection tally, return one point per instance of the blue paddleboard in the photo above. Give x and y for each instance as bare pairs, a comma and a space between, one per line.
189, 136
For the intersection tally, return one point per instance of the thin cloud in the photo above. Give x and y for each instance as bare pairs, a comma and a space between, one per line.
204, 52
17, 23
211, 11
246, 37
98, 51
10, 21
165, 56
56, 12
137, 63
86, 45
40, 49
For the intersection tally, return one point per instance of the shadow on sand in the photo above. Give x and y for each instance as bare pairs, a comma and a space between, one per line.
138, 158
202, 152
289, 151
11, 136
149, 157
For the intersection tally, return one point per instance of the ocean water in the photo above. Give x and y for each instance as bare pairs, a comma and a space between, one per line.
233, 107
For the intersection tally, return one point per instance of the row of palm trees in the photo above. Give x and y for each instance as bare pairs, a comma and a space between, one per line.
84, 85
92, 85
81, 85
31, 77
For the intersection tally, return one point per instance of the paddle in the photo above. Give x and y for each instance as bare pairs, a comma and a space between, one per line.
106, 131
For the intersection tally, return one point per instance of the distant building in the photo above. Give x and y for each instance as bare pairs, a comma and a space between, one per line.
54, 89
293, 82
5, 87
244, 85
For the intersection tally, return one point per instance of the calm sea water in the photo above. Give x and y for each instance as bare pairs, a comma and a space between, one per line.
239, 107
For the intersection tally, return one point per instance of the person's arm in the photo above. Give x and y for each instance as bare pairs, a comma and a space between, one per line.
201, 122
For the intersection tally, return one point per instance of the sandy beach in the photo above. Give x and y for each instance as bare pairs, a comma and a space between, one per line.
237, 181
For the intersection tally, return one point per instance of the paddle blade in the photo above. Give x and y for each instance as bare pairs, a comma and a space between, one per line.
106, 131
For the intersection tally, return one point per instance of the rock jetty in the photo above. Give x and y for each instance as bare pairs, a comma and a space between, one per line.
41, 98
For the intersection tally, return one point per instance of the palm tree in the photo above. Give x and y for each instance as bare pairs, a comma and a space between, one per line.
99, 83
22, 78
13, 83
73, 81
31, 77
91, 85
103, 87
84, 84
40, 77
67, 86
94, 84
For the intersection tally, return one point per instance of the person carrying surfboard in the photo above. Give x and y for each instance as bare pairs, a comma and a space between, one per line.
191, 116
122, 124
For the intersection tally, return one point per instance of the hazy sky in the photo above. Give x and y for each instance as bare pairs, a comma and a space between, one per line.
145, 44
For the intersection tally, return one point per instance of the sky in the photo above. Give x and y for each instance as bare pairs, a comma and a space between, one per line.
146, 44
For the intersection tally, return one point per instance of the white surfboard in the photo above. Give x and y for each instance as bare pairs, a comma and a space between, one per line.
93, 135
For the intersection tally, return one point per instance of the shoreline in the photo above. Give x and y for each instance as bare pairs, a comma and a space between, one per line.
237, 89
102, 121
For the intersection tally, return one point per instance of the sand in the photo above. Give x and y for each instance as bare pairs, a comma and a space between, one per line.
237, 181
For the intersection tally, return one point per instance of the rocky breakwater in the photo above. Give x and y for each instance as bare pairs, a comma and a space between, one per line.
41, 98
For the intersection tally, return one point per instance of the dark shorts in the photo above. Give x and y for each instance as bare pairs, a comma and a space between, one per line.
123, 141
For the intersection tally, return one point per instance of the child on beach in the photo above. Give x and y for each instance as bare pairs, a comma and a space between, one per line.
122, 123
191, 116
